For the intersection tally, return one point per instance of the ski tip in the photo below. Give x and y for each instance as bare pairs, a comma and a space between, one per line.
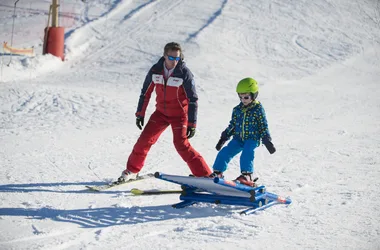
136, 191
157, 174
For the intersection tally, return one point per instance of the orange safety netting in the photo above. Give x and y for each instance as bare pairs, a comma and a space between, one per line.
8, 49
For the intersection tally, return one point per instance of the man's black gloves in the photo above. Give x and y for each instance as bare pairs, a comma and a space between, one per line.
267, 141
140, 122
223, 139
190, 132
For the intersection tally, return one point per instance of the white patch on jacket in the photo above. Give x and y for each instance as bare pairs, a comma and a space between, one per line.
174, 82
158, 79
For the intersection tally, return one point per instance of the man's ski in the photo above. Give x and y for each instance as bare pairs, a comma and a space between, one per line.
137, 191
116, 183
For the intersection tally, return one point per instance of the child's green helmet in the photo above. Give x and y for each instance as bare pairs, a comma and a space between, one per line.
248, 85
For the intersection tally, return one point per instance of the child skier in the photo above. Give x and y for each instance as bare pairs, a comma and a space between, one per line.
248, 126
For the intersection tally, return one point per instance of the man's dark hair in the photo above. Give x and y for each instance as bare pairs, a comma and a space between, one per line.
173, 46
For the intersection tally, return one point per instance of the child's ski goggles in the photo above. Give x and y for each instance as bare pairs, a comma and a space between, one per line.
246, 97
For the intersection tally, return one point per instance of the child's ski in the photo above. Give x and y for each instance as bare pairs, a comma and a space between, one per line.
137, 191
116, 183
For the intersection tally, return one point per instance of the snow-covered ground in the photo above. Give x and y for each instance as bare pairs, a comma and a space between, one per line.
64, 125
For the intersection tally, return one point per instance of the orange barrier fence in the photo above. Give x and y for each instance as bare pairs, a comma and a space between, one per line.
16, 51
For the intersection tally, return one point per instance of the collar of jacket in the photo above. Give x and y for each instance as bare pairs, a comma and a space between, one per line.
159, 66
249, 107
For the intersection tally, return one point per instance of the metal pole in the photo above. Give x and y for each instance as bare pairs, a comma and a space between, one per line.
55, 5
13, 28
46, 32
13, 24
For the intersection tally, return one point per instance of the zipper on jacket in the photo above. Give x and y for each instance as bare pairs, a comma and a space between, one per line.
165, 82
245, 110
164, 96
243, 129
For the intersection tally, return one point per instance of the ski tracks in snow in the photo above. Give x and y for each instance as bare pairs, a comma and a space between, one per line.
130, 25
50, 107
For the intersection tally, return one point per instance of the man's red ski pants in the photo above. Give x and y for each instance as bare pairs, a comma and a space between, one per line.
157, 123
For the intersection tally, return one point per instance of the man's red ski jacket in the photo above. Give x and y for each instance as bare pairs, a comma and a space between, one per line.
175, 96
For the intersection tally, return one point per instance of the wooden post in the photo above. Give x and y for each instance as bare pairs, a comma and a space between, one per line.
54, 20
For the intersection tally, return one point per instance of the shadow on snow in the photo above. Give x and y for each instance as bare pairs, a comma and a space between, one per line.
113, 216
56, 188
209, 21
106, 216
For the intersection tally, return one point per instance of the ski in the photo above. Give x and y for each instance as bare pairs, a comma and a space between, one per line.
116, 183
137, 191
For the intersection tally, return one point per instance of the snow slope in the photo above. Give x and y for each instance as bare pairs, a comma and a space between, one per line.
64, 125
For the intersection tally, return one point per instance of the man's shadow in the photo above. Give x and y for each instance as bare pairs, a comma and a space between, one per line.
105, 216
112, 216
57, 187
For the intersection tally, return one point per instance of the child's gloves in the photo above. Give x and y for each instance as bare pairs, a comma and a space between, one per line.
139, 122
267, 141
220, 144
223, 139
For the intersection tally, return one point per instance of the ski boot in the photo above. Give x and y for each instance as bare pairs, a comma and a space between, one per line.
126, 176
246, 179
216, 174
